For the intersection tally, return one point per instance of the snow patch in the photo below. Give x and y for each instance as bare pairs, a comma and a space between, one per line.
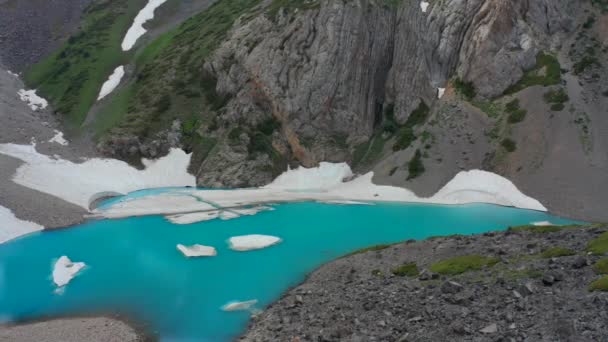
440, 92
197, 250
322, 177
542, 224
137, 28
59, 139
77, 183
252, 242
12, 227
345, 202
65, 270
12, 73
169, 203
240, 306
34, 101
112, 82
193, 217
424, 5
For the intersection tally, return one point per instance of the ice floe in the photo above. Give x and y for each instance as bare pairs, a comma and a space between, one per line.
34, 101
197, 250
112, 82
194, 217
252, 242
59, 139
77, 183
424, 5
240, 306
137, 28
12, 227
65, 270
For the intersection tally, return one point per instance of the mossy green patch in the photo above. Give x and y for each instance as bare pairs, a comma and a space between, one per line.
465, 89
599, 245
536, 229
600, 284
508, 144
516, 113
71, 77
371, 249
601, 266
546, 72
462, 264
405, 134
556, 252
415, 166
406, 270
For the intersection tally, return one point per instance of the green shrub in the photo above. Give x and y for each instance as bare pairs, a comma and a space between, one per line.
406, 270
466, 89
599, 245
546, 72
269, 125
601, 266
371, 249
462, 264
536, 229
508, 144
556, 252
600, 284
405, 137
516, 114
415, 166
585, 62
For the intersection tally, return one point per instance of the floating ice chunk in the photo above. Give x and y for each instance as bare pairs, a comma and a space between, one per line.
252, 242
240, 306
12, 227
194, 217
59, 139
34, 101
65, 270
137, 28
424, 5
542, 223
440, 92
112, 82
197, 250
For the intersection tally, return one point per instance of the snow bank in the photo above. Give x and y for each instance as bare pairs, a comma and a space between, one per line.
345, 202
168, 203
12, 227
137, 28
59, 139
440, 92
12, 73
542, 223
240, 306
318, 178
65, 270
424, 5
34, 101
197, 250
252, 242
112, 82
78, 183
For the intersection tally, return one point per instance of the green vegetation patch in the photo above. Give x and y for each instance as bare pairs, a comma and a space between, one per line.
516, 113
462, 264
557, 98
600, 284
466, 89
556, 252
546, 72
537, 229
290, 6
599, 245
371, 249
415, 166
584, 63
368, 152
509, 144
71, 77
405, 134
406, 270
601, 266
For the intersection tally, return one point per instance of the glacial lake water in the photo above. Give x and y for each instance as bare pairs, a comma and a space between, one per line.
134, 268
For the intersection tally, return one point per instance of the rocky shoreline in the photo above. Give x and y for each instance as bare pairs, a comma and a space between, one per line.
526, 284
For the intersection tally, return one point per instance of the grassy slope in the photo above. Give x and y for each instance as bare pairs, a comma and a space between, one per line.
72, 76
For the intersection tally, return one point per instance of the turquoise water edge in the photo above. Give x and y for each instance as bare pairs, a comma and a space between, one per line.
134, 269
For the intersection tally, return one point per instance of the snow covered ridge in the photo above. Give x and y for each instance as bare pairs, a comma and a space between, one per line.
34, 101
12, 227
65, 270
112, 82
78, 183
137, 28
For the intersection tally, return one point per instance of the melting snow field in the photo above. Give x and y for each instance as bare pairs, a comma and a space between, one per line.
112, 82
34, 101
12, 227
137, 29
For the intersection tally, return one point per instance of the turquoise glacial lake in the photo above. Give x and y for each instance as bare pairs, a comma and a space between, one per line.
135, 270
